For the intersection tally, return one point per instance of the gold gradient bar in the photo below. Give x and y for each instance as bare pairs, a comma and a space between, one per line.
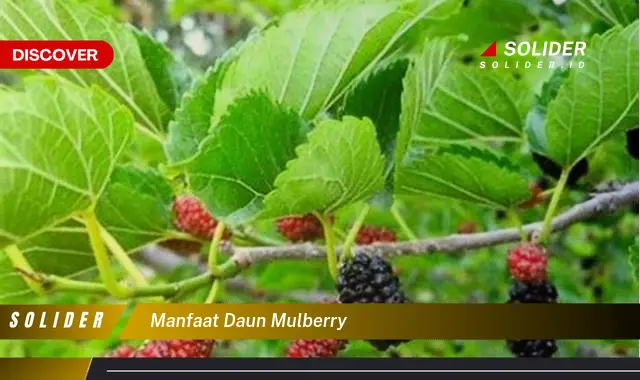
58, 321
384, 321
40, 368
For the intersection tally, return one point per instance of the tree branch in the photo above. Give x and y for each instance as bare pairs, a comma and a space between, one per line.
164, 260
599, 203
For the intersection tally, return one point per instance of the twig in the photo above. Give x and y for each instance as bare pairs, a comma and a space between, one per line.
164, 260
599, 203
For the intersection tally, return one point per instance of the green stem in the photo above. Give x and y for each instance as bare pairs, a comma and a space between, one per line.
214, 292
257, 239
102, 257
214, 247
555, 199
249, 11
123, 258
22, 265
515, 220
56, 283
402, 223
329, 239
353, 233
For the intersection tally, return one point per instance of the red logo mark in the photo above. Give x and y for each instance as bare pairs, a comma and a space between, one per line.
491, 51
55, 54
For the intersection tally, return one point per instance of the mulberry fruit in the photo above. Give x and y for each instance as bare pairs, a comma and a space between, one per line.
315, 348
369, 235
300, 228
632, 142
192, 217
539, 348
528, 263
538, 292
123, 351
550, 168
176, 349
370, 279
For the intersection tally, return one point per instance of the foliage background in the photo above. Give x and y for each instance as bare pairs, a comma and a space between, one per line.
590, 260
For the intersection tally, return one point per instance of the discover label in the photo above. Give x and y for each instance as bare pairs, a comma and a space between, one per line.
42, 55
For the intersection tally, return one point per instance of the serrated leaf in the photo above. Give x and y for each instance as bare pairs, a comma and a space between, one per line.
170, 74
612, 12
193, 118
535, 123
465, 173
239, 162
126, 78
444, 102
136, 207
485, 21
596, 101
307, 70
340, 164
378, 98
59, 144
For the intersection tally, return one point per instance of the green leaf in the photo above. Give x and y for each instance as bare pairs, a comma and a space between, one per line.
596, 101
340, 164
634, 253
126, 78
612, 12
193, 118
485, 21
307, 70
59, 144
444, 102
465, 173
136, 207
378, 98
239, 162
535, 124
170, 74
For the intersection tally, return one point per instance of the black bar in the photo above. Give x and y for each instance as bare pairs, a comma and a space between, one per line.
350, 368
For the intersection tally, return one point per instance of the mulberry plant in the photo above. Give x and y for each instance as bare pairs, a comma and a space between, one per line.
300, 142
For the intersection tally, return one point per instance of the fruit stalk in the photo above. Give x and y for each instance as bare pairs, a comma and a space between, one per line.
402, 223
332, 257
214, 248
557, 193
353, 233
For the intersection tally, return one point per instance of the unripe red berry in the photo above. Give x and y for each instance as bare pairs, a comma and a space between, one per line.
369, 235
300, 228
123, 351
176, 349
192, 217
528, 262
315, 348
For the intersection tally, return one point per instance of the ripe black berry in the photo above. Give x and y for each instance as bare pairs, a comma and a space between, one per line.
370, 279
632, 142
550, 168
537, 292
538, 348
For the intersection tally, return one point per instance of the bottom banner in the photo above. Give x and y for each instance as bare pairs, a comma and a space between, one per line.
309, 369
349, 368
